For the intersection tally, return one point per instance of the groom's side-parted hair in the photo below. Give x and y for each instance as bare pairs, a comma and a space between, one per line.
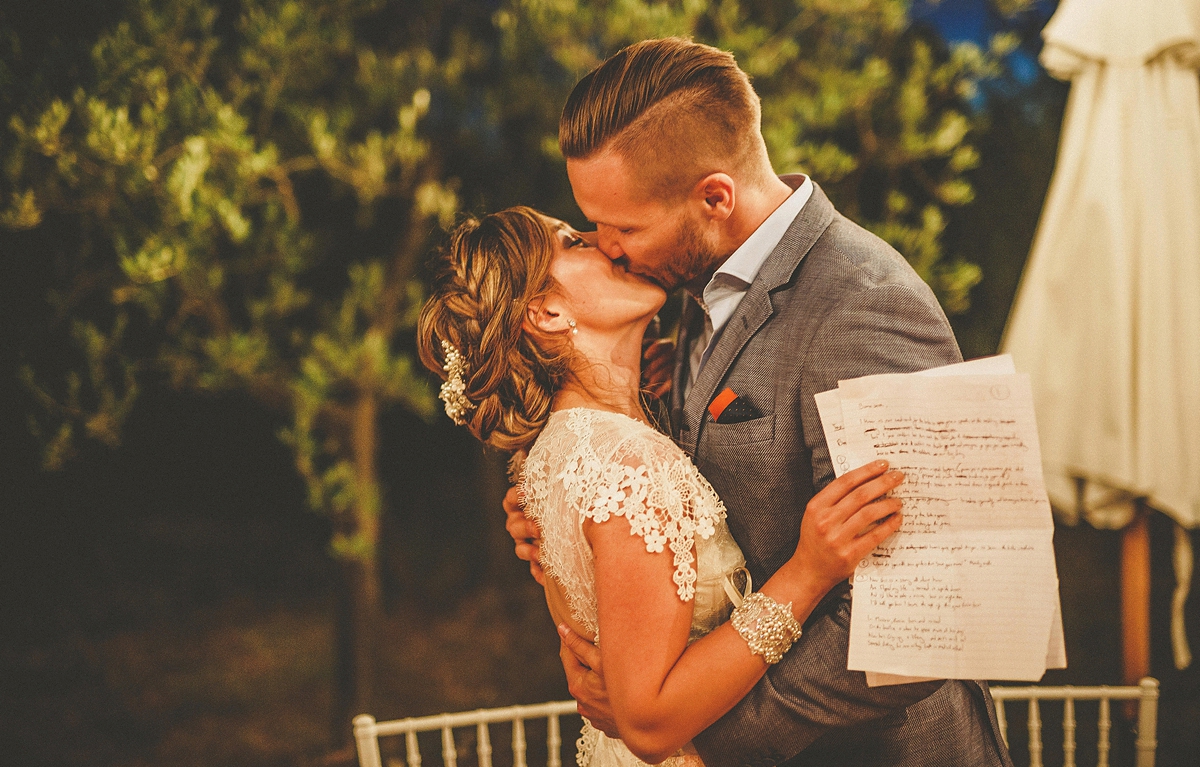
673, 109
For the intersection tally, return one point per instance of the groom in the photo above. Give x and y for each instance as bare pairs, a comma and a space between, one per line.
665, 155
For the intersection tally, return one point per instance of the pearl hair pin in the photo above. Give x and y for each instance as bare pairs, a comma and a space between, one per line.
453, 391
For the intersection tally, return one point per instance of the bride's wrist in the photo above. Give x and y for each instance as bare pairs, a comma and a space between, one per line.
796, 585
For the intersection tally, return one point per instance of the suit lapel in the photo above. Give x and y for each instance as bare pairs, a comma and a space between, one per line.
753, 312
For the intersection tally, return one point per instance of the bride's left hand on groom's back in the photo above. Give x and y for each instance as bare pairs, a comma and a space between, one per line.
658, 363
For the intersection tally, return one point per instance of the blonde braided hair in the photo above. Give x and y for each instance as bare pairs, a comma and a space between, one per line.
490, 272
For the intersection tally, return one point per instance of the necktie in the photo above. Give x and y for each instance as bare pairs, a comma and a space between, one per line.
698, 354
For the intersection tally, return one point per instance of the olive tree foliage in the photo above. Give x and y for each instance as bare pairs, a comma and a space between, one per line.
249, 187
874, 110
187, 159
249, 190
215, 152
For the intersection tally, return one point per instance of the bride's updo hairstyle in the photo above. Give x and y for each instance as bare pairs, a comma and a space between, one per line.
488, 274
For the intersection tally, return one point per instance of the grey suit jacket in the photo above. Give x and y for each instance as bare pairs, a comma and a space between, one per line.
831, 302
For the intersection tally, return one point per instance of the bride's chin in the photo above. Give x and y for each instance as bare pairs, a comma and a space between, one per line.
660, 300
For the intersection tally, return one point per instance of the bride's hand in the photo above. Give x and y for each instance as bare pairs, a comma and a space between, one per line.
846, 520
658, 362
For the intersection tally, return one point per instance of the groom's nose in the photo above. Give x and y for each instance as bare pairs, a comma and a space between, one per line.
608, 242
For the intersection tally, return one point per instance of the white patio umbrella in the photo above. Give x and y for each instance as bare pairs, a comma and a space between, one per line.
1107, 318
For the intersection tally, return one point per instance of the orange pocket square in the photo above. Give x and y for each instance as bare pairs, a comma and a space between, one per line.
728, 407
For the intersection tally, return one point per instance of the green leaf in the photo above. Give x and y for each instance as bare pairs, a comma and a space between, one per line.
23, 212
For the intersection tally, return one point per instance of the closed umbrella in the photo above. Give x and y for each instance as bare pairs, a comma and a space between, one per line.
1107, 318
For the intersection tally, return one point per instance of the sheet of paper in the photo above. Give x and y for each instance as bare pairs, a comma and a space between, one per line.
1056, 655
829, 406
928, 589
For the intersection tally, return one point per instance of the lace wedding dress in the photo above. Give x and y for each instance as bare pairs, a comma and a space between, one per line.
593, 464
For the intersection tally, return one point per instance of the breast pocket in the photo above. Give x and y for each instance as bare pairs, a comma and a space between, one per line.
744, 433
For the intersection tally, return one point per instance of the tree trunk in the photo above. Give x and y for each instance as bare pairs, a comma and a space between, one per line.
360, 606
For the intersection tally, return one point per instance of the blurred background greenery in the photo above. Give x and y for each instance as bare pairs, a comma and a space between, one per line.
236, 516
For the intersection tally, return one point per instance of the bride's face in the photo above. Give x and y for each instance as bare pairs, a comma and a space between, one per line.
600, 294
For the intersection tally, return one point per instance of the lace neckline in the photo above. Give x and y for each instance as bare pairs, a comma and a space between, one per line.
590, 409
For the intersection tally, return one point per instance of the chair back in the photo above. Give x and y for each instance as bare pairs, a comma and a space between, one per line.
367, 732
1145, 693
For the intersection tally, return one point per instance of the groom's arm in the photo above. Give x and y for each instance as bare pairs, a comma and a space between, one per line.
804, 697
886, 329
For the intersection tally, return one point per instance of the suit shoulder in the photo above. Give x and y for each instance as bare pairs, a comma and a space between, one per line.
857, 258
855, 292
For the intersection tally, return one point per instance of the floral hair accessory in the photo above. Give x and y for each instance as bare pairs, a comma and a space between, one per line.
453, 391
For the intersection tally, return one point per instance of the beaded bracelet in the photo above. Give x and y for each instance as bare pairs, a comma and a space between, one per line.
768, 627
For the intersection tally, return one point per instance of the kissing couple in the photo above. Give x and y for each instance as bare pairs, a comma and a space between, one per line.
697, 569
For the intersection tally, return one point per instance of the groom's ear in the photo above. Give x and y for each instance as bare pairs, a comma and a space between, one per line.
716, 194
543, 316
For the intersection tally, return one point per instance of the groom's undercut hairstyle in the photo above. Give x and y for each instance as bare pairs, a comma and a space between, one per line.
673, 109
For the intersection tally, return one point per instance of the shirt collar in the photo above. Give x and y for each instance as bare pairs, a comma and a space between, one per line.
745, 263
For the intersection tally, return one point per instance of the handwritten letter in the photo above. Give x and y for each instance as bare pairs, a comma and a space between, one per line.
967, 588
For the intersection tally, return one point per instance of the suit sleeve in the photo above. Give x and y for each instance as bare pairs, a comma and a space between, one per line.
885, 329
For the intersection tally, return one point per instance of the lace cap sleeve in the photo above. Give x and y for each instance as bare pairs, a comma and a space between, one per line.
618, 467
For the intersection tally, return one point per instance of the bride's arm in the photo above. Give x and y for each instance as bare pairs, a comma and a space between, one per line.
663, 691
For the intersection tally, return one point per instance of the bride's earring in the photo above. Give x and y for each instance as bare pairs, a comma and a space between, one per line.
573, 327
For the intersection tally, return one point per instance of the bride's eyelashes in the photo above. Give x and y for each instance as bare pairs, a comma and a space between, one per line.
571, 239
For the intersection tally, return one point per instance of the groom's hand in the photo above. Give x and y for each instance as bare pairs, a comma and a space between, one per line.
585, 680
526, 536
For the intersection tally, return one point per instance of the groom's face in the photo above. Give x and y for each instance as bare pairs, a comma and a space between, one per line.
660, 240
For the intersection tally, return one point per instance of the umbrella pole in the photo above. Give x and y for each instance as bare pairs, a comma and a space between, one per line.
1135, 594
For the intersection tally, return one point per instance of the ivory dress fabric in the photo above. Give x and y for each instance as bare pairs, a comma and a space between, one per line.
592, 464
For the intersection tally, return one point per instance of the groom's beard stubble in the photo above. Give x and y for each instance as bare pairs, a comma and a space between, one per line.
690, 258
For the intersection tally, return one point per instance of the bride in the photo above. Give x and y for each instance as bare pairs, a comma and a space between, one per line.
538, 336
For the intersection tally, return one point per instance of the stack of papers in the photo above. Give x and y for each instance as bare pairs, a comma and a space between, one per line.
967, 588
